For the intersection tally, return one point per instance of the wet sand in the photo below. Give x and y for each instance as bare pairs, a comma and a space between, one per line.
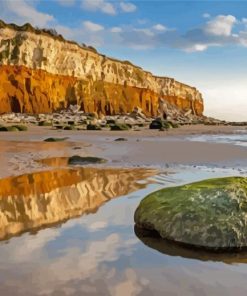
145, 148
70, 231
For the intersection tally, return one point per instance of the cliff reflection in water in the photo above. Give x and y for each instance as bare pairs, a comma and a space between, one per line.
36, 200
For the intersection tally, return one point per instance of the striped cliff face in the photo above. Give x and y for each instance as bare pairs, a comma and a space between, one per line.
43, 73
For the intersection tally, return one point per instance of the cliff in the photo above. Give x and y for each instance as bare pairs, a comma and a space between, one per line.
38, 200
41, 72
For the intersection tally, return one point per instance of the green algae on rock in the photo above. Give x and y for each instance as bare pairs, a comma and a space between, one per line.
210, 214
120, 127
55, 139
13, 128
93, 127
21, 127
80, 160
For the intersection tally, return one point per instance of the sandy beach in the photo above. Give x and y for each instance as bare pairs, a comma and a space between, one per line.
144, 148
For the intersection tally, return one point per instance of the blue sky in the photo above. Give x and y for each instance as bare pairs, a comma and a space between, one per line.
202, 43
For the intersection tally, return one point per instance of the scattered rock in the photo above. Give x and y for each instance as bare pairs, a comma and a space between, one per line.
21, 127
93, 127
120, 139
210, 214
120, 127
79, 160
111, 121
69, 127
137, 113
55, 139
12, 128
160, 124
45, 123
77, 148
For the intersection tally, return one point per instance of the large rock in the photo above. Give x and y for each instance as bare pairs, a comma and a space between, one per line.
210, 214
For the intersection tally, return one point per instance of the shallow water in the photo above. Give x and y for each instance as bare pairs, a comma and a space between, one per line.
78, 239
239, 139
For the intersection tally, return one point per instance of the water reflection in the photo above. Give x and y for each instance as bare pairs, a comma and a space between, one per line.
54, 161
36, 200
163, 246
100, 254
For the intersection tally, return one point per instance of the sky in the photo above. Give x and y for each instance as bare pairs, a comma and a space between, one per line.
200, 43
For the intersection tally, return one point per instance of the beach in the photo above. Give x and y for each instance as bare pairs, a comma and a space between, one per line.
144, 148
69, 229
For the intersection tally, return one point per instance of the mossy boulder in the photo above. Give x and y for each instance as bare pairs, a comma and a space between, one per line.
120, 140
21, 128
71, 122
93, 127
160, 124
111, 121
45, 123
60, 127
80, 160
55, 139
210, 214
8, 129
120, 127
69, 127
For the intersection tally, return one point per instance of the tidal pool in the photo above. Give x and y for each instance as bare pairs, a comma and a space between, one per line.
64, 232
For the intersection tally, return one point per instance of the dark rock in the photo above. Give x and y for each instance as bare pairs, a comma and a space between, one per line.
120, 127
55, 139
69, 127
45, 123
120, 139
93, 127
79, 160
21, 127
9, 129
159, 124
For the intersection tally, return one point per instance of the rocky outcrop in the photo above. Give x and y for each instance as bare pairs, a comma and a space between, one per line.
41, 72
210, 214
41, 199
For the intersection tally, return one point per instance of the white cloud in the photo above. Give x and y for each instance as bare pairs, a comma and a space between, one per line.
221, 25
92, 26
206, 15
221, 30
116, 30
65, 31
244, 21
160, 27
23, 11
196, 47
243, 38
146, 31
215, 32
127, 7
99, 5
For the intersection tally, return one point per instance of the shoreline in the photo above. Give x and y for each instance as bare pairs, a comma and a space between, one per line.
145, 148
